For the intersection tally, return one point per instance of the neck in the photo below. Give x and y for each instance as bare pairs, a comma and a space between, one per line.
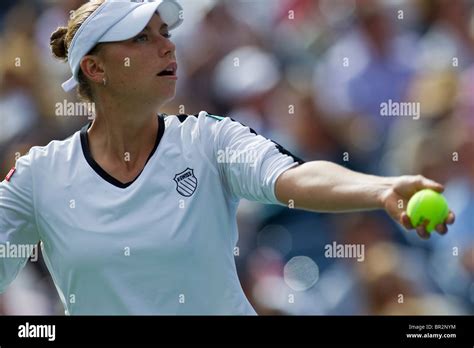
123, 133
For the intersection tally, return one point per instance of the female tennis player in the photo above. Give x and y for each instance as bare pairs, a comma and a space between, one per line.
136, 212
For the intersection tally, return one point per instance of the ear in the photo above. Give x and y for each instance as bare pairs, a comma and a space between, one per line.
93, 68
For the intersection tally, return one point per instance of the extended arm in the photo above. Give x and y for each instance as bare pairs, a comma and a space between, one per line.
328, 187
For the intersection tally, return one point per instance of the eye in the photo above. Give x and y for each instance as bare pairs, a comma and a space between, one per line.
141, 38
166, 35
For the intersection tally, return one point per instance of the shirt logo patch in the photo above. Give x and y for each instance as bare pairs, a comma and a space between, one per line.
186, 182
10, 174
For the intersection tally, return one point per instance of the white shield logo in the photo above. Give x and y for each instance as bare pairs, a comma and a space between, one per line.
186, 182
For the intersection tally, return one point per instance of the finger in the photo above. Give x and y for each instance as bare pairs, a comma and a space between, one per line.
441, 229
430, 184
406, 221
421, 231
450, 219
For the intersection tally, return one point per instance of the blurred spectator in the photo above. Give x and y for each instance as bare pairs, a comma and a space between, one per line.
396, 284
448, 43
361, 70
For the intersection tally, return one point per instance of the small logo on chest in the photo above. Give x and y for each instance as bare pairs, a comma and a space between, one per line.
186, 182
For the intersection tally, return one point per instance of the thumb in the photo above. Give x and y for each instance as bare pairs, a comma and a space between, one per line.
425, 183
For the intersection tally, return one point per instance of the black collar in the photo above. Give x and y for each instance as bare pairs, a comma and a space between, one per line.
106, 176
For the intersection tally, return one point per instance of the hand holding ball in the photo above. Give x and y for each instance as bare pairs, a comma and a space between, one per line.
427, 205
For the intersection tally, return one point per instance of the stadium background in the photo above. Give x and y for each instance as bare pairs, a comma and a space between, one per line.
311, 75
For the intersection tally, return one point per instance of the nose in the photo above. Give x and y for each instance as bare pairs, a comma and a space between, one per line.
167, 47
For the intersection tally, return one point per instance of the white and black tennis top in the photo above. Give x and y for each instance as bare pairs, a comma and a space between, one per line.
161, 244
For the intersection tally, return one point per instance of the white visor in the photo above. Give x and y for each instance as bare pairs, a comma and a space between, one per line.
117, 20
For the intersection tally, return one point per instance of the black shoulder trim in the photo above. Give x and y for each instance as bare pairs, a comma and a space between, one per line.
278, 146
106, 176
183, 117
218, 118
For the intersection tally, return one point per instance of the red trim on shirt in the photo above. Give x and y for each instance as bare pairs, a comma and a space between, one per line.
10, 174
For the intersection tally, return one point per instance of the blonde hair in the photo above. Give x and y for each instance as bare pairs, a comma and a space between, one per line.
61, 39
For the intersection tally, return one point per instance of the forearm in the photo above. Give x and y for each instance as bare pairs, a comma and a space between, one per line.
327, 187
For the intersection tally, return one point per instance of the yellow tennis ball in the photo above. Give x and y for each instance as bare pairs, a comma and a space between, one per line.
427, 205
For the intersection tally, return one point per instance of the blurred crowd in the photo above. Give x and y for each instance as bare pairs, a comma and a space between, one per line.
311, 75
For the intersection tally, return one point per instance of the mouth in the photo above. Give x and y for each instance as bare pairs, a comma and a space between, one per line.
170, 70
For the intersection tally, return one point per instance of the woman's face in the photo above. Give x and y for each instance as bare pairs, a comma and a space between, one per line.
132, 66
